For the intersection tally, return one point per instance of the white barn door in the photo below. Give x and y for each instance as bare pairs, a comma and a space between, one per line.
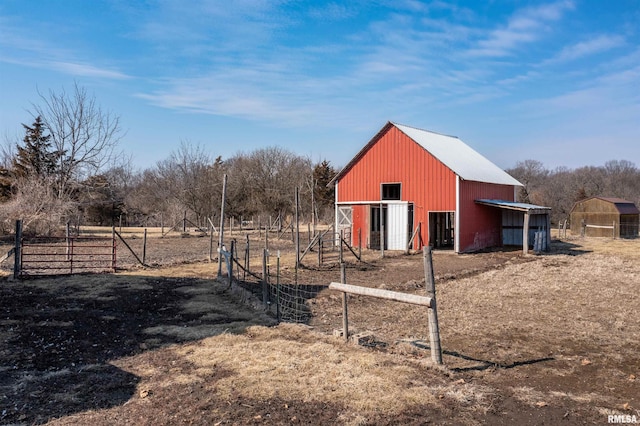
397, 226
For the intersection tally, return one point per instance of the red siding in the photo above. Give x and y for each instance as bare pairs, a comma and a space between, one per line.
426, 182
479, 226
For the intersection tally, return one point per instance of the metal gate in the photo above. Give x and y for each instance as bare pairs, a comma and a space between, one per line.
50, 255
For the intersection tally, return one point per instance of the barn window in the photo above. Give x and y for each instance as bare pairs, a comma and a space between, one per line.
391, 191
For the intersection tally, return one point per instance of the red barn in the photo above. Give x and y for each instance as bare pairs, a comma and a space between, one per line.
421, 187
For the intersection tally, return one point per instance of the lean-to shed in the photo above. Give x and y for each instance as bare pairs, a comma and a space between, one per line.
409, 187
605, 217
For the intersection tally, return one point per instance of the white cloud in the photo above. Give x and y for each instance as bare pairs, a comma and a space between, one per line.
525, 26
590, 47
85, 70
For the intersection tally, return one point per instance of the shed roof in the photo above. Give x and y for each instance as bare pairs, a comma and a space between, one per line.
512, 205
623, 206
465, 162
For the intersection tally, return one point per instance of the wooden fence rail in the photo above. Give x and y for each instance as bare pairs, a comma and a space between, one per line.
412, 299
428, 301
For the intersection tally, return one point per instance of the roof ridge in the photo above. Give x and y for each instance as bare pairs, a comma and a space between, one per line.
423, 130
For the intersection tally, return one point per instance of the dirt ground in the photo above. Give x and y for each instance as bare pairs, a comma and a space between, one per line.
548, 339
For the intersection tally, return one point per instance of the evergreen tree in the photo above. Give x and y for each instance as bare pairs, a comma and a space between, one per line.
35, 158
323, 173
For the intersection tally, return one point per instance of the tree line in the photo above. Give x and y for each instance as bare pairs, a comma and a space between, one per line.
562, 187
67, 169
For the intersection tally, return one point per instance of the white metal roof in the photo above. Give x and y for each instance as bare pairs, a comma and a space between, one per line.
459, 157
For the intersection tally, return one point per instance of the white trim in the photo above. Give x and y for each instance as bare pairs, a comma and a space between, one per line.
456, 239
377, 202
336, 225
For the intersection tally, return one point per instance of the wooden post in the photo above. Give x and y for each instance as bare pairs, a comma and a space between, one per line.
265, 278
184, 223
144, 247
113, 249
221, 237
614, 229
434, 329
345, 313
381, 232
211, 243
17, 252
319, 252
547, 246
246, 260
230, 264
340, 252
278, 287
67, 234
360, 244
297, 231
525, 234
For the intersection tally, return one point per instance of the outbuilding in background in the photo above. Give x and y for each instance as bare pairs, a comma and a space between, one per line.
605, 217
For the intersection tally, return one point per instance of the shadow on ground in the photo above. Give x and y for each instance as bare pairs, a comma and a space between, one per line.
58, 336
480, 364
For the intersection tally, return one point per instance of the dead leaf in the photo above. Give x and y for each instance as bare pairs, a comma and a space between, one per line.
258, 417
632, 377
541, 404
626, 406
459, 382
145, 393
585, 362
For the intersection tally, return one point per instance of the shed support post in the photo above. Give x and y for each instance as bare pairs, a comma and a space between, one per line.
547, 246
525, 234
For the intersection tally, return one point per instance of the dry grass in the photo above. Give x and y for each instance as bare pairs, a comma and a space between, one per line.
549, 340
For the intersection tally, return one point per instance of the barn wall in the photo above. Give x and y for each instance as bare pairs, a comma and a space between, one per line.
479, 226
395, 158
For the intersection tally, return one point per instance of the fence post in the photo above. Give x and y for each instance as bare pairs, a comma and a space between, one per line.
345, 318
144, 247
360, 244
67, 238
17, 253
246, 259
113, 248
230, 264
265, 288
278, 288
221, 236
434, 330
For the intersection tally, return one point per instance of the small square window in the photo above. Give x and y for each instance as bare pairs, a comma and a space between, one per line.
391, 191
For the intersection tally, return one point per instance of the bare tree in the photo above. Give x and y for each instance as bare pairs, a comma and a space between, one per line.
84, 137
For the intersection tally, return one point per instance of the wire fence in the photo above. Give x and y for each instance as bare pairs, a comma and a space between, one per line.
280, 293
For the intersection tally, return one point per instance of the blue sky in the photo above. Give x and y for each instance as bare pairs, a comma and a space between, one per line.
554, 81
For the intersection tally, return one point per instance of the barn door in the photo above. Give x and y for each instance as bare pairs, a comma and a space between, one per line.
397, 221
345, 221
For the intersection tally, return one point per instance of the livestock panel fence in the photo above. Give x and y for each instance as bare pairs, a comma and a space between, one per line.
61, 255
